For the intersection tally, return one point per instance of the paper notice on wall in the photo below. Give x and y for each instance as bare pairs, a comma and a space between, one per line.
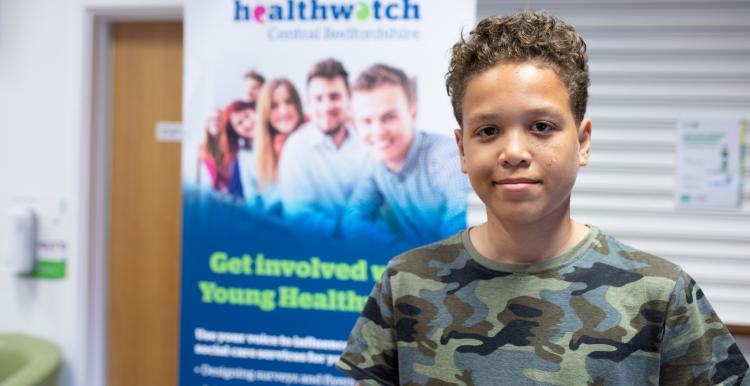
710, 157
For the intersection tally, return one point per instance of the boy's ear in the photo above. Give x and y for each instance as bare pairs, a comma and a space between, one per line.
460, 143
584, 141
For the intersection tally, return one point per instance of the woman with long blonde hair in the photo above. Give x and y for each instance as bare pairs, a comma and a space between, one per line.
279, 112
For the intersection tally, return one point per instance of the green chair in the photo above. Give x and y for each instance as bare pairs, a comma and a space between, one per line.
28, 361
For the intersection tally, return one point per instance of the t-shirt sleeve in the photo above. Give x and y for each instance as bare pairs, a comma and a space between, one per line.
370, 356
696, 346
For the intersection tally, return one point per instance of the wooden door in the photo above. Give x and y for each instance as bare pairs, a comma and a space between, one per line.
146, 205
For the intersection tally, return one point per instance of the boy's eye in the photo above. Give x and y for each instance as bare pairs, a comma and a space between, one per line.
541, 127
487, 131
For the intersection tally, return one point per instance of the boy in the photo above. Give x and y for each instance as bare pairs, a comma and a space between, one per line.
414, 174
532, 296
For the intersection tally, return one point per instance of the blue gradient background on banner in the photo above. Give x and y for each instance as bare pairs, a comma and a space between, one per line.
211, 224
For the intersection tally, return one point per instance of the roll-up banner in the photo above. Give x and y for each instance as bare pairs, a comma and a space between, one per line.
318, 144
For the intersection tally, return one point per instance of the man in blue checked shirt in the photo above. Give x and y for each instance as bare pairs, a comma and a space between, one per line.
413, 191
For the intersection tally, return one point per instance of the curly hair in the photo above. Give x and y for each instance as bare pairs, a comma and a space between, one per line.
528, 36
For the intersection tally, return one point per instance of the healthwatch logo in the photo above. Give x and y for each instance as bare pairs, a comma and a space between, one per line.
314, 10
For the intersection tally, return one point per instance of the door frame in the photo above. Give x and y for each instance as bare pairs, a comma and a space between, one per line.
97, 117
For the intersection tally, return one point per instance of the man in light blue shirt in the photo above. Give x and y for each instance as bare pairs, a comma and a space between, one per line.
322, 161
414, 192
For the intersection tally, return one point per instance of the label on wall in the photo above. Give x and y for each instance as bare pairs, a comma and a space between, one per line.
710, 158
317, 144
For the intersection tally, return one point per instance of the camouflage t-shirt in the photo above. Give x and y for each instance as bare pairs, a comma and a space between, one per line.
602, 313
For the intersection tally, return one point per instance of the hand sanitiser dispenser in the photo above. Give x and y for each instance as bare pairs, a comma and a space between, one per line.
20, 241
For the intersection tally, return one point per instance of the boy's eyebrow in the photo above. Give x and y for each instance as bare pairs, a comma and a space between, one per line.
494, 116
552, 113
491, 116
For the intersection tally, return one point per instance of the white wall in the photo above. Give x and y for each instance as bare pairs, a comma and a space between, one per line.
45, 83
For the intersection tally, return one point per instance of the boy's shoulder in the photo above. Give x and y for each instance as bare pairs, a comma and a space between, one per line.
603, 261
651, 277
426, 261
607, 250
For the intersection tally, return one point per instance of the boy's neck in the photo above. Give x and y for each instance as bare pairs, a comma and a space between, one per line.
527, 243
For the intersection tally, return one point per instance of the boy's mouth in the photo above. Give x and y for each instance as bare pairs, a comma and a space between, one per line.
516, 184
508, 181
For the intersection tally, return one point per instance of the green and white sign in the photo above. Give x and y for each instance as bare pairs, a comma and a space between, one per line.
710, 160
52, 250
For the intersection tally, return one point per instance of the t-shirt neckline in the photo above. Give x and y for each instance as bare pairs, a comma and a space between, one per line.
555, 262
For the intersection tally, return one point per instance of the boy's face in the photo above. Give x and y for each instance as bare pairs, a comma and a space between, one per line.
385, 119
520, 144
328, 103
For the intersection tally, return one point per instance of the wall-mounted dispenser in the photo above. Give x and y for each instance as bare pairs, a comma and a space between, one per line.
20, 241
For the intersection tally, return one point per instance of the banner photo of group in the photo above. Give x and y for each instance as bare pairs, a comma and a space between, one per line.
318, 144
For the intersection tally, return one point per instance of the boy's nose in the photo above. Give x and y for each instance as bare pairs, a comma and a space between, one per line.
515, 150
